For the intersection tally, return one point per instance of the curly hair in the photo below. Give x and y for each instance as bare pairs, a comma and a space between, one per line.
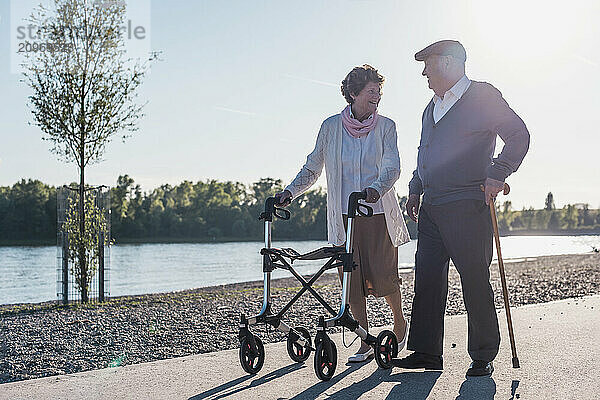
357, 79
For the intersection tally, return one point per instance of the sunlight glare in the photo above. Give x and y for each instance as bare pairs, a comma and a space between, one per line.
521, 29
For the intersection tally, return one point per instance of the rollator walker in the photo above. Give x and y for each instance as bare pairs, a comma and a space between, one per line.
299, 344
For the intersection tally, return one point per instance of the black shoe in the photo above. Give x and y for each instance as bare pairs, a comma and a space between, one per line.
480, 368
418, 360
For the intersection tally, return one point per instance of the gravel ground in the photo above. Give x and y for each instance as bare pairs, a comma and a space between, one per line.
46, 339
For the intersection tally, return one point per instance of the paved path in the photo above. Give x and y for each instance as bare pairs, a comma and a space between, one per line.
558, 345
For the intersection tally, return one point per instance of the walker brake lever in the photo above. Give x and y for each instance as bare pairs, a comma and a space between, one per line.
367, 214
286, 214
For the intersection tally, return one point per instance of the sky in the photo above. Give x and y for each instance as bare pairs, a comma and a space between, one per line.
243, 87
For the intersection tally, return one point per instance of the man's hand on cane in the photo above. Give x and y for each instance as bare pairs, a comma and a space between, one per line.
492, 188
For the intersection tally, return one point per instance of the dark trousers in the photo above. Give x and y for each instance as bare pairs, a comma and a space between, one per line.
461, 231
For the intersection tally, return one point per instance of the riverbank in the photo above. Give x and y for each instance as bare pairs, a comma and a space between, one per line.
45, 339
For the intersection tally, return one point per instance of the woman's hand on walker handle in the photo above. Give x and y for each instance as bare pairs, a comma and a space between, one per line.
372, 195
412, 206
283, 198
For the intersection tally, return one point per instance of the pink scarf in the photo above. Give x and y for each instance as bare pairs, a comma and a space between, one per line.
356, 128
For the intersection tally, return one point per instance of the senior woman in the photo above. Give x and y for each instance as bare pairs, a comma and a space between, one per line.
359, 150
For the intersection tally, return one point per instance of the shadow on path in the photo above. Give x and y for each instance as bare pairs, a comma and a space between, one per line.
256, 382
479, 388
513, 389
359, 388
315, 390
413, 385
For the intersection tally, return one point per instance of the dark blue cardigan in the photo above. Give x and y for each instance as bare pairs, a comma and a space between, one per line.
456, 154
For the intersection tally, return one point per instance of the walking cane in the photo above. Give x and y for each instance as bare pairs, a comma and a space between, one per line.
515, 359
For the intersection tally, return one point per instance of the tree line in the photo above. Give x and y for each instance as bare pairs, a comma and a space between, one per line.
571, 217
215, 211
195, 211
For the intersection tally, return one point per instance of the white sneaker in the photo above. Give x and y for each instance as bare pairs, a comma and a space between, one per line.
402, 343
361, 357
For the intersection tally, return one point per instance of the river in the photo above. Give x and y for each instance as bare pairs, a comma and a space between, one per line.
29, 273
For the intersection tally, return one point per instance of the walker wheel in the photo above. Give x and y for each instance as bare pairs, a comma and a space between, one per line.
297, 352
251, 359
386, 349
325, 363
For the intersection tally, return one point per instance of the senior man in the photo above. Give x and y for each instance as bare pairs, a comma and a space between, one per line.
455, 157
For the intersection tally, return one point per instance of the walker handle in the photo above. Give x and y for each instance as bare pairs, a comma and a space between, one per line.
271, 210
354, 207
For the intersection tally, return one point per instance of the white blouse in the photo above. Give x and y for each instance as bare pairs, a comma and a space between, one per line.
359, 169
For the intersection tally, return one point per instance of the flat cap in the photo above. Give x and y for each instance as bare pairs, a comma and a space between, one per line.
443, 48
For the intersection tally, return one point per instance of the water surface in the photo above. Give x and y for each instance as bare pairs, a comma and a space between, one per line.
29, 273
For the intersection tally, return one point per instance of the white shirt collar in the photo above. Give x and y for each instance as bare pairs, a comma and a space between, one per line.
459, 88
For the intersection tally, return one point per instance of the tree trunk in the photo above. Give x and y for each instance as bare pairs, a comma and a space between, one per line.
82, 257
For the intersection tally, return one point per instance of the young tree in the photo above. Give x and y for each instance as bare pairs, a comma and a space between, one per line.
84, 89
96, 228
549, 202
